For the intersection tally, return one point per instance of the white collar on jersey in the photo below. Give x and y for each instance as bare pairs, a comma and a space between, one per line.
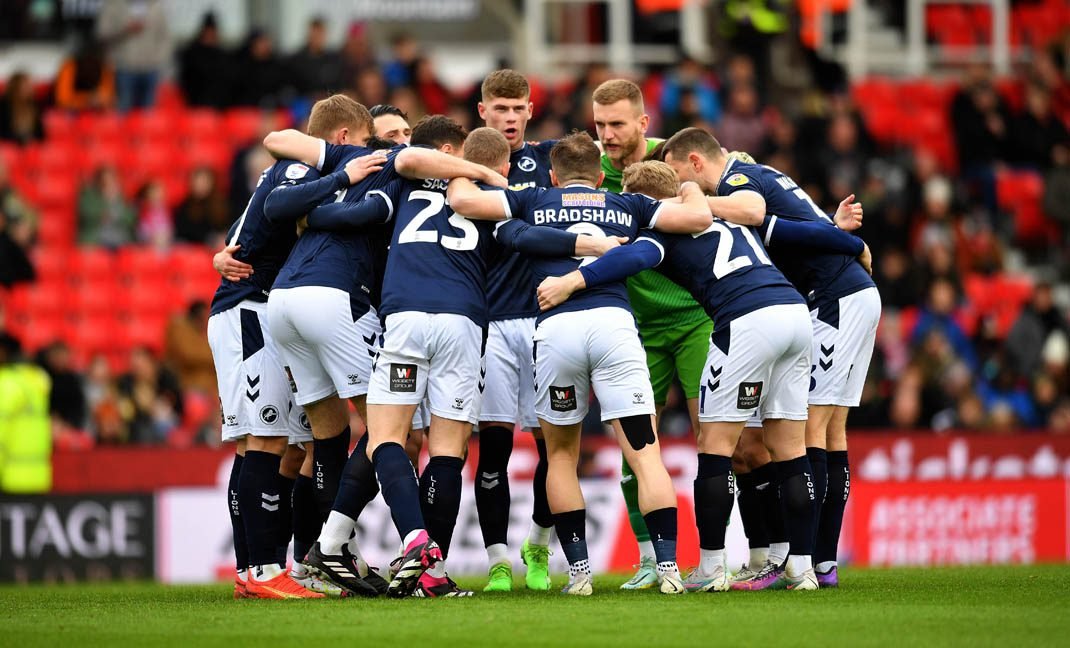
724, 174
578, 183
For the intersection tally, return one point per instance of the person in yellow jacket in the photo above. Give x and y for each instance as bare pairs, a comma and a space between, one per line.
25, 425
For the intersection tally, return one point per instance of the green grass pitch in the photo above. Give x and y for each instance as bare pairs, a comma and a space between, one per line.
996, 606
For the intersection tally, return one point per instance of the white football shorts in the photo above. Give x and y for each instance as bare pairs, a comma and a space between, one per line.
843, 346
509, 396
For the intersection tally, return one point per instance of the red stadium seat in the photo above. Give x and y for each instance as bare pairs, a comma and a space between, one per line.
41, 299
59, 126
200, 123
105, 296
153, 296
135, 262
93, 264
242, 125
50, 263
98, 333
151, 126
145, 330
44, 331
57, 228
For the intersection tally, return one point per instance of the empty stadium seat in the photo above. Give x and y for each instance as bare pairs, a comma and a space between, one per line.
91, 263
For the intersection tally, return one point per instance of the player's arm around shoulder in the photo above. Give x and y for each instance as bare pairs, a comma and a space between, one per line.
742, 204
688, 213
419, 163
294, 145
468, 200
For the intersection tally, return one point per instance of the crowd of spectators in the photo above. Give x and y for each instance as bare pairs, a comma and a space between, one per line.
933, 227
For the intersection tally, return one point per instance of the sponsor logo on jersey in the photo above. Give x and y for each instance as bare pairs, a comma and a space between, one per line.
296, 171
563, 399
458, 403
290, 379
353, 379
269, 414
232, 419
596, 199
750, 393
526, 164
737, 180
403, 377
637, 398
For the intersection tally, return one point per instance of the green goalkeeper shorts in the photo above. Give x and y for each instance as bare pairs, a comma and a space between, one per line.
677, 351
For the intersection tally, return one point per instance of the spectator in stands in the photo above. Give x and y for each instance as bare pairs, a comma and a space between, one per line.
135, 33
433, 95
742, 127
1057, 190
372, 89
1037, 131
85, 80
980, 121
939, 315
206, 70
260, 79
691, 82
104, 216
156, 225
202, 217
102, 403
897, 279
687, 114
1049, 70
357, 53
150, 398
15, 241
1006, 390
1039, 320
316, 69
66, 402
843, 158
187, 351
404, 51
20, 114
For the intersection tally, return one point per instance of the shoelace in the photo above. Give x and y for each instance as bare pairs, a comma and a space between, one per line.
501, 569
767, 569
539, 552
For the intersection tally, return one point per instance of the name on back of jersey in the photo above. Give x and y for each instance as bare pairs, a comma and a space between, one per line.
582, 208
435, 183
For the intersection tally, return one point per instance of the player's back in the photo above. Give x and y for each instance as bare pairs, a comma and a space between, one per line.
510, 289
817, 276
438, 259
726, 269
265, 245
342, 260
583, 210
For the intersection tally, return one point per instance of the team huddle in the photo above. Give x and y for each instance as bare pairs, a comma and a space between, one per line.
442, 280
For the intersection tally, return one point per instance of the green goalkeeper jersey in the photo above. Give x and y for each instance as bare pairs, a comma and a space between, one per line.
659, 303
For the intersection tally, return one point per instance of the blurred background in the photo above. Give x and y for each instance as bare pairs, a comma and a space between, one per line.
130, 139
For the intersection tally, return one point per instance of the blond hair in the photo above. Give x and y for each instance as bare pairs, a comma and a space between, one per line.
614, 90
652, 178
338, 111
488, 147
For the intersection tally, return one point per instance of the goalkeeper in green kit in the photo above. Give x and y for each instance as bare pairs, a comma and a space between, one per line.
675, 330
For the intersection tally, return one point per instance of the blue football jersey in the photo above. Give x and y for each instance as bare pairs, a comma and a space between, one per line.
821, 278
264, 244
342, 260
510, 291
438, 259
582, 210
725, 268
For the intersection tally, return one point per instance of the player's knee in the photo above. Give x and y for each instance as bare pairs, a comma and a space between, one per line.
292, 461
272, 445
638, 431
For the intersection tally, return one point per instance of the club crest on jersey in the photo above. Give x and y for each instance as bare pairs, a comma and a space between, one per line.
737, 180
305, 425
269, 414
296, 171
402, 377
563, 399
750, 393
526, 164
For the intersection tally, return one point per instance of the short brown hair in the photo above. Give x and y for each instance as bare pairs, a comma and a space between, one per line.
693, 140
575, 157
505, 84
435, 131
653, 178
488, 147
614, 90
338, 111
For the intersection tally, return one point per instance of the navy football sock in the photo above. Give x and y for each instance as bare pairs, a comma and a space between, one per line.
714, 496
358, 485
750, 511
819, 466
440, 498
839, 488
492, 484
285, 519
797, 501
662, 526
260, 502
237, 525
766, 483
397, 480
329, 459
572, 534
306, 518
540, 512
